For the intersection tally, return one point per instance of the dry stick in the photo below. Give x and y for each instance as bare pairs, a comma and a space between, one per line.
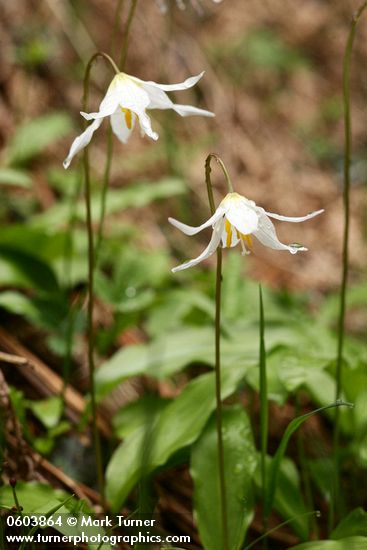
343, 289
96, 438
219, 413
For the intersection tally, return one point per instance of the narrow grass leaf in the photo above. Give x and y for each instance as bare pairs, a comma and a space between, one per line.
275, 465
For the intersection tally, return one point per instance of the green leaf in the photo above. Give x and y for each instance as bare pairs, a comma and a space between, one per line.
21, 269
168, 354
19, 304
31, 138
350, 543
40, 498
18, 178
48, 411
33, 496
179, 425
240, 459
135, 196
276, 461
135, 415
354, 524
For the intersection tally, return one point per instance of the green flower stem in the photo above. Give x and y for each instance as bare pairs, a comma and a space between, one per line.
96, 438
107, 172
343, 289
219, 413
263, 411
125, 43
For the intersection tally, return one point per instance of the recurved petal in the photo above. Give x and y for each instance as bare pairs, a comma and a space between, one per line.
107, 107
190, 230
266, 234
244, 218
81, 141
146, 125
210, 249
294, 219
188, 83
190, 110
119, 125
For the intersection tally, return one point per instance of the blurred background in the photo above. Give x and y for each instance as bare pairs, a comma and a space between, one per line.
273, 78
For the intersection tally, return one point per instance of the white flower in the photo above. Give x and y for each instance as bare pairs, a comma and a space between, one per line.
126, 101
234, 221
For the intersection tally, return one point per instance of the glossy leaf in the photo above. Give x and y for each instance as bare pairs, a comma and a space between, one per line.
240, 459
179, 425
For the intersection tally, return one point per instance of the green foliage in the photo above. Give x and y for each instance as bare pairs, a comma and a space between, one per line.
14, 177
33, 137
176, 427
240, 463
354, 524
350, 543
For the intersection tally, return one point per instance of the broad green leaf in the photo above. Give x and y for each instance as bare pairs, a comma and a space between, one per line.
40, 498
32, 137
48, 411
354, 524
33, 496
135, 414
11, 176
135, 196
168, 354
41, 243
19, 304
240, 460
350, 543
183, 302
21, 269
179, 425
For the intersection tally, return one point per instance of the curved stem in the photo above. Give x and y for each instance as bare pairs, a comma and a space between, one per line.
207, 173
264, 412
107, 172
219, 413
91, 261
343, 288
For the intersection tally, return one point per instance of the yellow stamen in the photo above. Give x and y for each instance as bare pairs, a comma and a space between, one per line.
128, 117
229, 234
248, 240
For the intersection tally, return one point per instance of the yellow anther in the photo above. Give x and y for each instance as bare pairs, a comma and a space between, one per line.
229, 234
128, 117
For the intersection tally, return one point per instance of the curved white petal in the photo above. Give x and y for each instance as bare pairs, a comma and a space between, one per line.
241, 216
190, 110
146, 126
190, 230
81, 141
210, 249
108, 105
188, 83
294, 219
266, 234
119, 126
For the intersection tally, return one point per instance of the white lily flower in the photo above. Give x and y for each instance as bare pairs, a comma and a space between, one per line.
235, 220
126, 102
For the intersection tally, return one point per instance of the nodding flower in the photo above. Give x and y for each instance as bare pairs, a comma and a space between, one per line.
126, 102
235, 221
